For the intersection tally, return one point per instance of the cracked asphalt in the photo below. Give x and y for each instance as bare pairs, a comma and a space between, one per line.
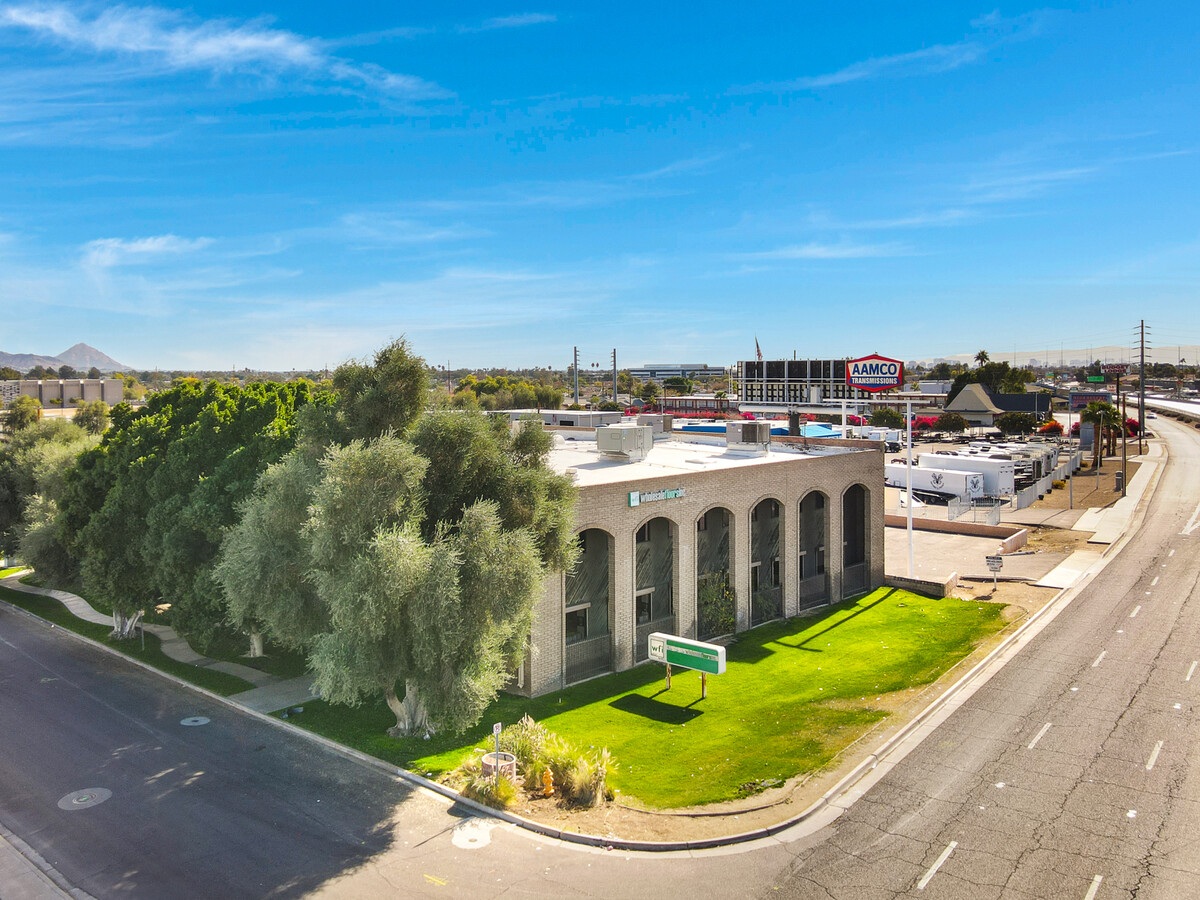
1066, 776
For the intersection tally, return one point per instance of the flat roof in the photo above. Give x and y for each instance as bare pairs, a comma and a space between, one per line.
576, 454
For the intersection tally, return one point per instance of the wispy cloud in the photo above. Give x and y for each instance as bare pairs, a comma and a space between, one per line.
107, 252
521, 20
934, 219
843, 250
175, 42
990, 31
1022, 185
927, 61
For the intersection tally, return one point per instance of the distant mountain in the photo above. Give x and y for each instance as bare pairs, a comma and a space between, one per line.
83, 357
23, 362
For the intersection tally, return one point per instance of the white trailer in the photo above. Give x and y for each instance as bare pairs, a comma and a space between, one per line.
963, 485
999, 475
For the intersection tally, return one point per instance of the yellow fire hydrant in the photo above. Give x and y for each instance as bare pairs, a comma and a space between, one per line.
547, 783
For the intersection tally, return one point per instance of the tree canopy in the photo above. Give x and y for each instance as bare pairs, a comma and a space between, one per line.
22, 412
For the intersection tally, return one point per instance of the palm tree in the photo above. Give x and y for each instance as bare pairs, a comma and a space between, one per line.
1102, 416
982, 357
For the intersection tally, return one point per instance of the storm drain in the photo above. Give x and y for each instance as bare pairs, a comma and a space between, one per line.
194, 720
84, 799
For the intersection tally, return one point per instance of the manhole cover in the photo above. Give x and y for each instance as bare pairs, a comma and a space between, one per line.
194, 720
472, 834
85, 798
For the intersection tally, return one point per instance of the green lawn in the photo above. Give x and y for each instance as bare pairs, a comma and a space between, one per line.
794, 694
4, 573
53, 611
277, 661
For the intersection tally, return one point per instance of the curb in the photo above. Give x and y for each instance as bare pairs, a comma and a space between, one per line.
855, 775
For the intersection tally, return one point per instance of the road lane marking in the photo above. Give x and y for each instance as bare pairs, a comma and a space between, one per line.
1153, 756
1039, 736
1095, 886
1103, 653
937, 865
1193, 522
1192, 669
432, 880
1154, 582
1137, 609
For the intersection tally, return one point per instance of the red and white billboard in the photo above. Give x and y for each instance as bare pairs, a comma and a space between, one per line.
875, 373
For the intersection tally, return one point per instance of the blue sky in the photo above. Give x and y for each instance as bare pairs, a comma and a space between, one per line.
289, 185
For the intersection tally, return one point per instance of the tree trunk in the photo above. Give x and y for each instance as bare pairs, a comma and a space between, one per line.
411, 718
124, 626
256, 644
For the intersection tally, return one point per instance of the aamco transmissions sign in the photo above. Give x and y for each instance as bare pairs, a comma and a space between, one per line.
874, 373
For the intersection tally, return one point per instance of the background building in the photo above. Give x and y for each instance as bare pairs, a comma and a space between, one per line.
65, 392
796, 381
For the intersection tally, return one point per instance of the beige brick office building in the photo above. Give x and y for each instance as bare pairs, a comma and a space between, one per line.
700, 540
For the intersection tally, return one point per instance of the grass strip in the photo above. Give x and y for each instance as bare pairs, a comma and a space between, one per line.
795, 694
230, 647
52, 611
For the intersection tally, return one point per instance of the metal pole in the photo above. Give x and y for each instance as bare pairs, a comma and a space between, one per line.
1142, 389
908, 489
1124, 440
575, 366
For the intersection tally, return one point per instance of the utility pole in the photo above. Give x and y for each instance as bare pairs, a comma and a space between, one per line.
614, 374
575, 370
1142, 385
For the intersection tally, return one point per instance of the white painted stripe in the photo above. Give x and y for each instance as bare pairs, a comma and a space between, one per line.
1192, 669
1095, 886
1154, 582
1099, 658
1153, 756
937, 865
1039, 736
1193, 522
1137, 609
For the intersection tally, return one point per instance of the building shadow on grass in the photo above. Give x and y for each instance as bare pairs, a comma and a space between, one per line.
649, 708
759, 643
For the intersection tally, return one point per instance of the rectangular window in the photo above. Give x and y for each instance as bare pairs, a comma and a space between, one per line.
754, 577
775, 571
702, 523
642, 605
577, 624
643, 534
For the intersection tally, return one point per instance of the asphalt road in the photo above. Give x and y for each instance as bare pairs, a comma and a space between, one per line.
1071, 765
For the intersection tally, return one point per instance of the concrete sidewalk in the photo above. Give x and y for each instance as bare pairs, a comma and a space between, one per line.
172, 644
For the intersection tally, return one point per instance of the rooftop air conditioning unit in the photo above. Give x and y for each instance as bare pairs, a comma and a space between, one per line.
748, 437
628, 443
661, 423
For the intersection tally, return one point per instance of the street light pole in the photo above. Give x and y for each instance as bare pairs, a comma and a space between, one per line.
908, 489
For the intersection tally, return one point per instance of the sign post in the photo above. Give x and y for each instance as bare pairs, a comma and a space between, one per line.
995, 564
496, 733
707, 659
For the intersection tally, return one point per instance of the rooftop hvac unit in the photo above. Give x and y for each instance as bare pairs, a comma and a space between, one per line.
748, 437
624, 442
662, 424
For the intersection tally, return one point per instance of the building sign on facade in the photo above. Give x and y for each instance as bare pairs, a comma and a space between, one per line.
637, 498
875, 373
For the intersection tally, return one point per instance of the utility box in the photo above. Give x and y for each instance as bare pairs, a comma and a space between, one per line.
627, 443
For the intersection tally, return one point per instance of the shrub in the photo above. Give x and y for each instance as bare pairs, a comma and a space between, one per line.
1057, 485
526, 741
496, 791
587, 779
